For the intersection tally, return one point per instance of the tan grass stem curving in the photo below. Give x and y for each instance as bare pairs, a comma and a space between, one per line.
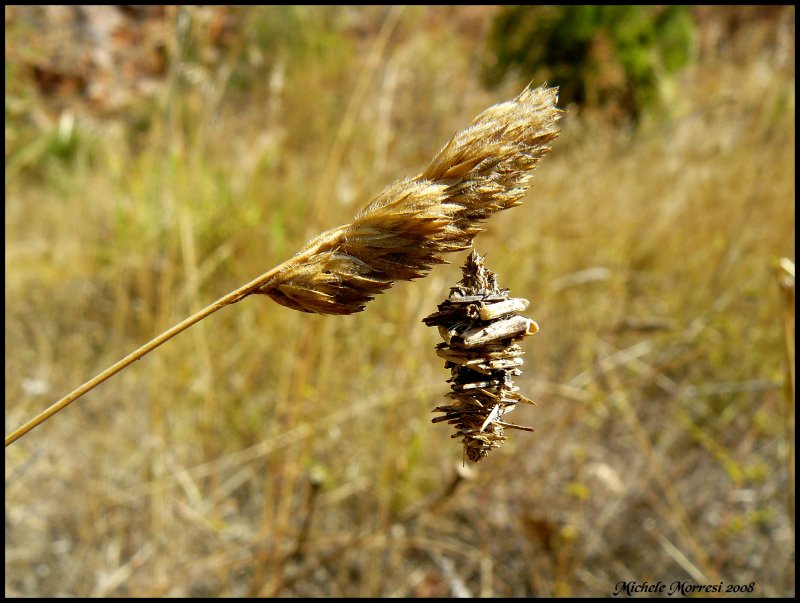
403, 232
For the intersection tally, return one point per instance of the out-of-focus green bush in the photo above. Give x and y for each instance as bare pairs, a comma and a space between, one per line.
613, 58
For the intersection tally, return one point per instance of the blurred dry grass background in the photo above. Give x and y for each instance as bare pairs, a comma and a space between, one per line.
267, 452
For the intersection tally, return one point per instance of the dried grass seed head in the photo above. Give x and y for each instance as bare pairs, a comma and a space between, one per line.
412, 223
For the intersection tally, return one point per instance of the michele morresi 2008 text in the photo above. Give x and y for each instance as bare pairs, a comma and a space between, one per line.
679, 588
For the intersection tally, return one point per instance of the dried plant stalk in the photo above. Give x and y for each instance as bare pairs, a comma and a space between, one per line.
480, 325
403, 232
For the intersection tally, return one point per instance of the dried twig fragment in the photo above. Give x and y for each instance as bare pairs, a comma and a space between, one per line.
480, 325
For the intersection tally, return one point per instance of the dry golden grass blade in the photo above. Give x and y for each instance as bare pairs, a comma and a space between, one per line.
407, 228
402, 233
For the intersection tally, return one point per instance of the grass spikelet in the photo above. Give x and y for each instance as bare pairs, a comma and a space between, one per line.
408, 227
402, 233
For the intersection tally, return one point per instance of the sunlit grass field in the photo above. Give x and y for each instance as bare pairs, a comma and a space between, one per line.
266, 452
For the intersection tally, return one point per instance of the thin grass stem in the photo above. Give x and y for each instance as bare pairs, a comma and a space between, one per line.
230, 298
